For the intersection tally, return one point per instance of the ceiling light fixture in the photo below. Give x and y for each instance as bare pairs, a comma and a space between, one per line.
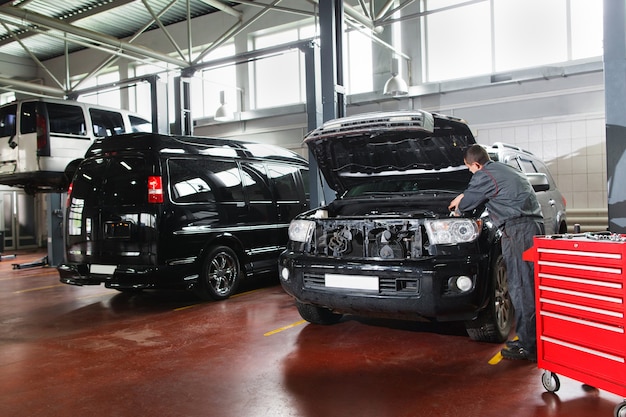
224, 112
395, 86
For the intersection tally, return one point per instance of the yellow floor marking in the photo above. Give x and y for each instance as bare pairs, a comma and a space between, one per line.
289, 326
498, 356
39, 288
185, 307
245, 293
496, 359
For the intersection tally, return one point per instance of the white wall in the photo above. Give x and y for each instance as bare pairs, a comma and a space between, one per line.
560, 120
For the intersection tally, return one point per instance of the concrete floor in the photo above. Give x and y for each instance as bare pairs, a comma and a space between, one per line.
90, 351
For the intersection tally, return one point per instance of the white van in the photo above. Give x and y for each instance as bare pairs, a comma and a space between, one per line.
40, 137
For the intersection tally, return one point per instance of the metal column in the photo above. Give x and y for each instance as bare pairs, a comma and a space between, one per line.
182, 104
324, 86
615, 103
54, 219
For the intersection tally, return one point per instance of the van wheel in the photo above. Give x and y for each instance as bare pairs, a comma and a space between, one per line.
494, 323
220, 274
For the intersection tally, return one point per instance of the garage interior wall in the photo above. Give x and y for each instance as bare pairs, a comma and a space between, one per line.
557, 113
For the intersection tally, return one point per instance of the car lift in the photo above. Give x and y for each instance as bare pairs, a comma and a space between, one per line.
54, 217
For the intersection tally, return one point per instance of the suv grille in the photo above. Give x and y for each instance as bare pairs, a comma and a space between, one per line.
387, 285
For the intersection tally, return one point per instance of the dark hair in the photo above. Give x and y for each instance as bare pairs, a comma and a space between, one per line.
476, 153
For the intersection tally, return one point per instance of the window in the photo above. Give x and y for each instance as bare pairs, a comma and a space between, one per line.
285, 181
255, 181
138, 124
529, 33
106, 123
587, 27
63, 118
279, 80
207, 85
465, 55
110, 98
204, 181
141, 95
7, 120
119, 181
359, 64
188, 184
504, 35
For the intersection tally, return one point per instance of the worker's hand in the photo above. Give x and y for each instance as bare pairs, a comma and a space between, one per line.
454, 204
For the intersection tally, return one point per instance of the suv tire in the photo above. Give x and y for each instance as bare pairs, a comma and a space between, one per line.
317, 315
494, 322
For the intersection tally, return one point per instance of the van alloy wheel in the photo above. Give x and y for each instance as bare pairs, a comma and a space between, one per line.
220, 274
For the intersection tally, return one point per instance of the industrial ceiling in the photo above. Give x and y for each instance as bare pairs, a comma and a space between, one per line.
40, 30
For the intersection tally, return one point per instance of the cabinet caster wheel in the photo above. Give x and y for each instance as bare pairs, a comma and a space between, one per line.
551, 382
620, 410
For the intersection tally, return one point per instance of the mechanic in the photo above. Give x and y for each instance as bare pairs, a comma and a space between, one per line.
514, 209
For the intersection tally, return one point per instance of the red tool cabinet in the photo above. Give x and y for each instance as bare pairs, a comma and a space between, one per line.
580, 299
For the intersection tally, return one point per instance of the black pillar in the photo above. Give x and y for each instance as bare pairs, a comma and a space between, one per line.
183, 124
615, 107
158, 98
324, 86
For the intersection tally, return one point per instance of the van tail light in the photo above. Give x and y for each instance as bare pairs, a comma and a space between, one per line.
69, 194
155, 189
43, 147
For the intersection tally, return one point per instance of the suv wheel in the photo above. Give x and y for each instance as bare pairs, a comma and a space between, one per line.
317, 315
493, 323
220, 274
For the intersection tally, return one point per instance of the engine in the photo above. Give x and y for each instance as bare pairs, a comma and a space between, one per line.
370, 238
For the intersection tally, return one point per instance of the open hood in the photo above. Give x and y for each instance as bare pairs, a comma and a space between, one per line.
355, 149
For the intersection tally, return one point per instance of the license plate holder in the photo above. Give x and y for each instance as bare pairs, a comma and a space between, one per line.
117, 230
102, 269
354, 282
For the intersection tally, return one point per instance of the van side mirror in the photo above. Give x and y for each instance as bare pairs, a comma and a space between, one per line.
538, 180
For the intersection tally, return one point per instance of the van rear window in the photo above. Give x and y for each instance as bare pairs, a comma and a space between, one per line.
7, 120
63, 118
112, 181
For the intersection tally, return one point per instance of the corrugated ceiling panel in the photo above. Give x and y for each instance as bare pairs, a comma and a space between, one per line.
116, 18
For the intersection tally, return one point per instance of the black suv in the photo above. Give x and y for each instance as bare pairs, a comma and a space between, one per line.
387, 245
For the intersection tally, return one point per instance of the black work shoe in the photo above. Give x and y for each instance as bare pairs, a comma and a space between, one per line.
519, 353
513, 344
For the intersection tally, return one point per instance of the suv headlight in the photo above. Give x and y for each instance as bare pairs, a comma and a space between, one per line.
455, 230
301, 230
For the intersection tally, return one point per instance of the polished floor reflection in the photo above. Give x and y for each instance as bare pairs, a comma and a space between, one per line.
90, 351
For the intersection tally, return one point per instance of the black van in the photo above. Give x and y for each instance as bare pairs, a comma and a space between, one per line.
155, 211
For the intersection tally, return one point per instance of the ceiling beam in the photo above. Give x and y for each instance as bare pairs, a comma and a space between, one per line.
96, 37
224, 8
7, 83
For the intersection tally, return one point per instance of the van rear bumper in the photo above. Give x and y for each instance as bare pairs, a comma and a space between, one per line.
128, 277
36, 180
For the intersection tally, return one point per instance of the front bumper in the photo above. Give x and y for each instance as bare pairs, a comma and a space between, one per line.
406, 289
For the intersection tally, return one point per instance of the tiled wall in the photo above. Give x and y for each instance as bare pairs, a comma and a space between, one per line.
573, 147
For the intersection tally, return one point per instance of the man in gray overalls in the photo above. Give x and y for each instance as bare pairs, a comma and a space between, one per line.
514, 209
